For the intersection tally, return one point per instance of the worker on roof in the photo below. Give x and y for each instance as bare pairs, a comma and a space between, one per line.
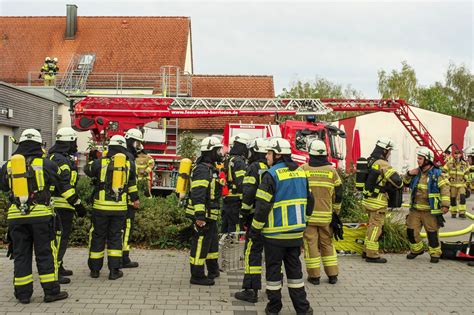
28, 178
429, 200
115, 178
253, 248
381, 177
457, 170
326, 186
235, 167
203, 208
49, 70
62, 153
134, 141
283, 201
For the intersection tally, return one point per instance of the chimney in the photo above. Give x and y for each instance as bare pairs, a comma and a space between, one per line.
71, 21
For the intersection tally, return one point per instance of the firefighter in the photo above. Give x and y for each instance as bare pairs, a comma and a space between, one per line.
380, 178
27, 177
49, 71
458, 172
283, 200
62, 153
253, 248
203, 208
134, 139
470, 160
116, 184
145, 164
429, 201
235, 169
326, 186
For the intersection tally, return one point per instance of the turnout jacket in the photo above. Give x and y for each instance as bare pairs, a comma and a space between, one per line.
68, 172
235, 175
252, 179
458, 172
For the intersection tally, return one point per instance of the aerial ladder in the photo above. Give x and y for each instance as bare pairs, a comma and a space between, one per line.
105, 116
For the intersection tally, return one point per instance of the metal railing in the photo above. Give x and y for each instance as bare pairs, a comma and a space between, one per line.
169, 84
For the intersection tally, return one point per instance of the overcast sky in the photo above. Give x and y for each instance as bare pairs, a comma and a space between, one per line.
345, 42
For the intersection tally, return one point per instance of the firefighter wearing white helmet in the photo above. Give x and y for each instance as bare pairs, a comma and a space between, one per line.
429, 200
30, 217
283, 201
63, 154
134, 141
326, 186
235, 166
203, 208
48, 71
381, 178
114, 189
470, 159
253, 250
457, 170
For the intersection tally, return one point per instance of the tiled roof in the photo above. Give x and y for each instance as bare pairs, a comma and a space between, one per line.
229, 86
121, 44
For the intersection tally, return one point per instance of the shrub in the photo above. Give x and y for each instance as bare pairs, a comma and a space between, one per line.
393, 237
352, 210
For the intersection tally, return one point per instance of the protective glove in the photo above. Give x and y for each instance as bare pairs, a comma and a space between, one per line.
245, 220
8, 240
254, 234
337, 227
80, 210
440, 220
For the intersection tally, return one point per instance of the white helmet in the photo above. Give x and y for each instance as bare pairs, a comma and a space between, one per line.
469, 151
385, 143
118, 140
55, 59
32, 135
258, 145
279, 146
134, 133
317, 147
241, 138
210, 143
426, 153
47, 59
66, 134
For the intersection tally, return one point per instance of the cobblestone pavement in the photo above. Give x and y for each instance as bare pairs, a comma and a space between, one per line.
161, 286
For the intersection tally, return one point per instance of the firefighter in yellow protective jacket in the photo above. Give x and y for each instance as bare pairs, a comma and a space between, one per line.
28, 177
429, 200
145, 164
380, 178
326, 186
49, 71
115, 178
470, 159
203, 208
458, 171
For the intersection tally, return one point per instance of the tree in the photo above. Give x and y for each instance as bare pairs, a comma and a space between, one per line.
188, 146
436, 98
399, 84
460, 87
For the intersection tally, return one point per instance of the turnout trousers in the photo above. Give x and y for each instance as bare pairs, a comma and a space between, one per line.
128, 225
318, 247
457, 193
204, 250
230, 215
290, 256
374, 230
106, 229
66, 217
42, 238
253, 263
415, 221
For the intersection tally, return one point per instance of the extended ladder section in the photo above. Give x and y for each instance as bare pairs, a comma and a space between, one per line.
403, 112
77, 73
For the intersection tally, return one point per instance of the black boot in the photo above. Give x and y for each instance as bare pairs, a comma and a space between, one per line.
51, 298
64, 280
453, 215
95, 273
378, 260
314, 281
434, 260
115, 274
364, 255
201, 281
308, 312
24, 300
462, 216
213, 275
267, 312
130, 264
411, 255
332, 279
247, 295
65, 272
